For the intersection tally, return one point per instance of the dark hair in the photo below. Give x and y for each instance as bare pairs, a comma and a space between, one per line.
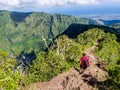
84, 54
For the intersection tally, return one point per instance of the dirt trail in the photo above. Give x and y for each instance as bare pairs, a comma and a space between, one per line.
73, 80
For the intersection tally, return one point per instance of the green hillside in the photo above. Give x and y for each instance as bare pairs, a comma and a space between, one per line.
30, 31
63, 55
66, 38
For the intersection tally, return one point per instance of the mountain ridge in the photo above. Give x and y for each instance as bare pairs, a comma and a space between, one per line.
75, 29
91, 78
24, 29
63, 55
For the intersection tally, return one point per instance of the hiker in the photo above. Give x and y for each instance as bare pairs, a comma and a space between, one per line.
84, 62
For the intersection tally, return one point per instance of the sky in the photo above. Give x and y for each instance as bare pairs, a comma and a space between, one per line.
68, 7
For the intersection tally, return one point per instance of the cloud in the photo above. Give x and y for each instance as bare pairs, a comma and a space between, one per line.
64, 2
9, 2
115, 0
12, 4
85, 1
17, 3
109, 1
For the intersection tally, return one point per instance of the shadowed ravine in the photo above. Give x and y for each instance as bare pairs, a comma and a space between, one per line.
91, 79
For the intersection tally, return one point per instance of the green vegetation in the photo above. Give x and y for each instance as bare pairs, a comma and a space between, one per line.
63, 55
25, 31
34, 31
9, 80
108, 52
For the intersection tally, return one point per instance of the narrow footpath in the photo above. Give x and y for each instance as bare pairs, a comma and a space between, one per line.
90, 79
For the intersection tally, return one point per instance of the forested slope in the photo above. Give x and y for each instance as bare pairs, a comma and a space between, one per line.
33, 31
30, 31
62, 56
65, 53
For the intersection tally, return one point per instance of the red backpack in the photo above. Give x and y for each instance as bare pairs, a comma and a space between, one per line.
86, 63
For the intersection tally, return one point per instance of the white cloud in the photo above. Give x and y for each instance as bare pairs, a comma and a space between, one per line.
65, 2
109, 1
11, 4
115, 0
85, 1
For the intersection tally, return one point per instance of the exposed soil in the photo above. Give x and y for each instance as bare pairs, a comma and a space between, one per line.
91, 79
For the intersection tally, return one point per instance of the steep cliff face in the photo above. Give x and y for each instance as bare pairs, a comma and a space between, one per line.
25, 31
75, 29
